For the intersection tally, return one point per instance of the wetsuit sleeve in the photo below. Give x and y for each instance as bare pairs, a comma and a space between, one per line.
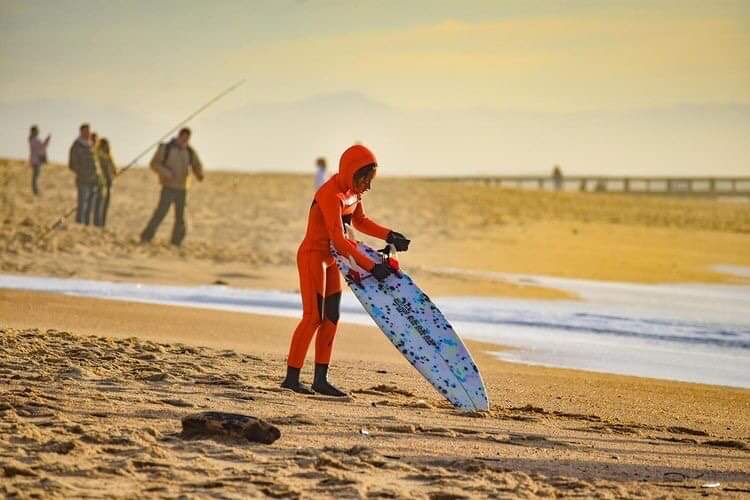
330, 207
363, 223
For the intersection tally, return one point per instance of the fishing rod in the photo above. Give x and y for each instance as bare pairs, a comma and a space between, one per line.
161, 139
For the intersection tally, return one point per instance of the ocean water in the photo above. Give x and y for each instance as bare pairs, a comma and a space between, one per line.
691, 332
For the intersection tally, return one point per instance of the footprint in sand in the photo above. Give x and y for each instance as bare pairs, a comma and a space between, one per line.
531, 440
180, 403
727, 443
298, 419
686, 430
383, 389
400, 428
610, 428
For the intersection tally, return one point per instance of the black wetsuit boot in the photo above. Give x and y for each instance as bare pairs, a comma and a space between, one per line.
292, 381
321, 384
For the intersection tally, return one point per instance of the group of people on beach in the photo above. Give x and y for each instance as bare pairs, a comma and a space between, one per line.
90, 160
336, 208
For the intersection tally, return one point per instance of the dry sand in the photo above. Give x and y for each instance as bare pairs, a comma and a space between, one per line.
99, 415
245, 229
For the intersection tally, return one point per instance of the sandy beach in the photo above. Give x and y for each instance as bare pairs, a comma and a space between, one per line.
93, 390
244, 229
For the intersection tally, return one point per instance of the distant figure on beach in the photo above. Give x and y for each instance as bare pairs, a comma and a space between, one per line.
94, 138
107, 172
320, 173
173, 162
335, 205
82, 162
37, 156
557, 178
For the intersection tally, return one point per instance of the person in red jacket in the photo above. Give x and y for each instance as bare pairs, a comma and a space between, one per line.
337, 203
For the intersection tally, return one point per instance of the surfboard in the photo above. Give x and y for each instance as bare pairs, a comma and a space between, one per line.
417, 328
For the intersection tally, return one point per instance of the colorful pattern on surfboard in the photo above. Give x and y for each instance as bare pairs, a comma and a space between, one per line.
419, 331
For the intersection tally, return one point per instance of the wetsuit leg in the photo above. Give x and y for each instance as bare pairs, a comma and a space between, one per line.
327, 330
326, 334
312, 286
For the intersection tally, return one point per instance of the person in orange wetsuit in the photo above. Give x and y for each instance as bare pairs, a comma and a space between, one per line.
338, 203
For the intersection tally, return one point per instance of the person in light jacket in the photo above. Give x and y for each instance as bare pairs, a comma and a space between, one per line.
173, 162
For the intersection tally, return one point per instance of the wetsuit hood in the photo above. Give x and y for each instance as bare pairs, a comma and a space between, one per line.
352, 160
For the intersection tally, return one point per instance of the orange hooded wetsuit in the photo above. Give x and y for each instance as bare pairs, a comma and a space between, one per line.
335, 204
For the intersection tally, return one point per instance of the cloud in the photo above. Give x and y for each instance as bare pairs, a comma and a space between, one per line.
631, 58
533, 63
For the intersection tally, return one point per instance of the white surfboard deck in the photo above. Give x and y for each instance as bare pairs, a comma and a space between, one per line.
418, 329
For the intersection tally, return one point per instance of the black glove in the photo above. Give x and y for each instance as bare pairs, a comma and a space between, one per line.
399, 241
381, 271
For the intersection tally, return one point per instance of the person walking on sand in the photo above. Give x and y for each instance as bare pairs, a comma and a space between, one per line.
173, 162
320, 173
82, 162
337, 204
37, 156
108, 171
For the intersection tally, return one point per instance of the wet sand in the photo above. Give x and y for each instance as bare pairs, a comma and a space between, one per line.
104, 402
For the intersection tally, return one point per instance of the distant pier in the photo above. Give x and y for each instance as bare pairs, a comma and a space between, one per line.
685, 186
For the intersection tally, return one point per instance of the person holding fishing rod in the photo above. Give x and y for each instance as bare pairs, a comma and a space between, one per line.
61, 219
173, 162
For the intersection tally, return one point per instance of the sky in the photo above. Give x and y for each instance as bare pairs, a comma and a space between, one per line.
434, 87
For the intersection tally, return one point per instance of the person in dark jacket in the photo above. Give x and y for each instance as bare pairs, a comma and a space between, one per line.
82, 162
